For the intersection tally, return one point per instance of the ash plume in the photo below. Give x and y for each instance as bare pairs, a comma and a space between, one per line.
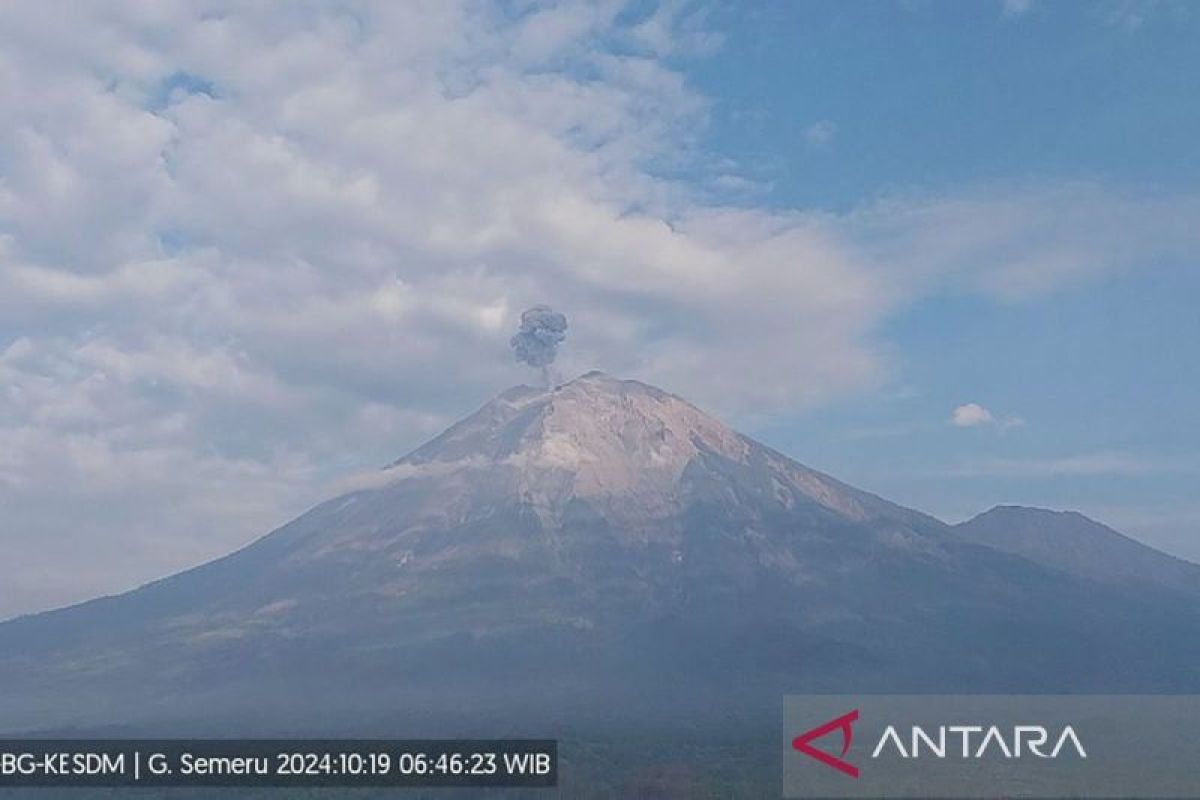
536, 341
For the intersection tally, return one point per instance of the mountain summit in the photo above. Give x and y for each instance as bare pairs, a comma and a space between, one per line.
619, 445
1070, 542
594, 438
596, 549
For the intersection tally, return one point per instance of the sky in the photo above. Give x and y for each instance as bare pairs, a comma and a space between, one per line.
945, 251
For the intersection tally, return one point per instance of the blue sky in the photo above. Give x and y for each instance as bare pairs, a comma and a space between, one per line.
832, 105
944, 251
938, 94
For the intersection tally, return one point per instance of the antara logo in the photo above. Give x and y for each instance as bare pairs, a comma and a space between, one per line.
1032, 737
843, 723
965, 741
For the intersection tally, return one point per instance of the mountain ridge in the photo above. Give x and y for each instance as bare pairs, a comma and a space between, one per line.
1074, 543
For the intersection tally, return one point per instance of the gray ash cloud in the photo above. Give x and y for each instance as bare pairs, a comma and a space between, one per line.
536, 342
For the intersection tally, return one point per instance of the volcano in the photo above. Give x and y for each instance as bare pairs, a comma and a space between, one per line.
603, 551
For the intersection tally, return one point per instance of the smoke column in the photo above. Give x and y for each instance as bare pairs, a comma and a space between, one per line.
536, 341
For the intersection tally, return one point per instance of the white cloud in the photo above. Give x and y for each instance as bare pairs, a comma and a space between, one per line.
1015, 8
1020, 243
1131, 15
820, 133
971, 415
245, 249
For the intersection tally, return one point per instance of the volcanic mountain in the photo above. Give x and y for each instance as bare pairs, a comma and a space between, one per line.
601, 549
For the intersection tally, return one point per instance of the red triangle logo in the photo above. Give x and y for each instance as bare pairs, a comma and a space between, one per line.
842, 723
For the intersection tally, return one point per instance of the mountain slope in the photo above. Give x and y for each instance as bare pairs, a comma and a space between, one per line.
603, 548
1074, 544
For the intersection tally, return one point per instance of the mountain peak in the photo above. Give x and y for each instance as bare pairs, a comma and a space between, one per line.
628, 449
611, 436
1074, 543
593, 377
1031, 512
